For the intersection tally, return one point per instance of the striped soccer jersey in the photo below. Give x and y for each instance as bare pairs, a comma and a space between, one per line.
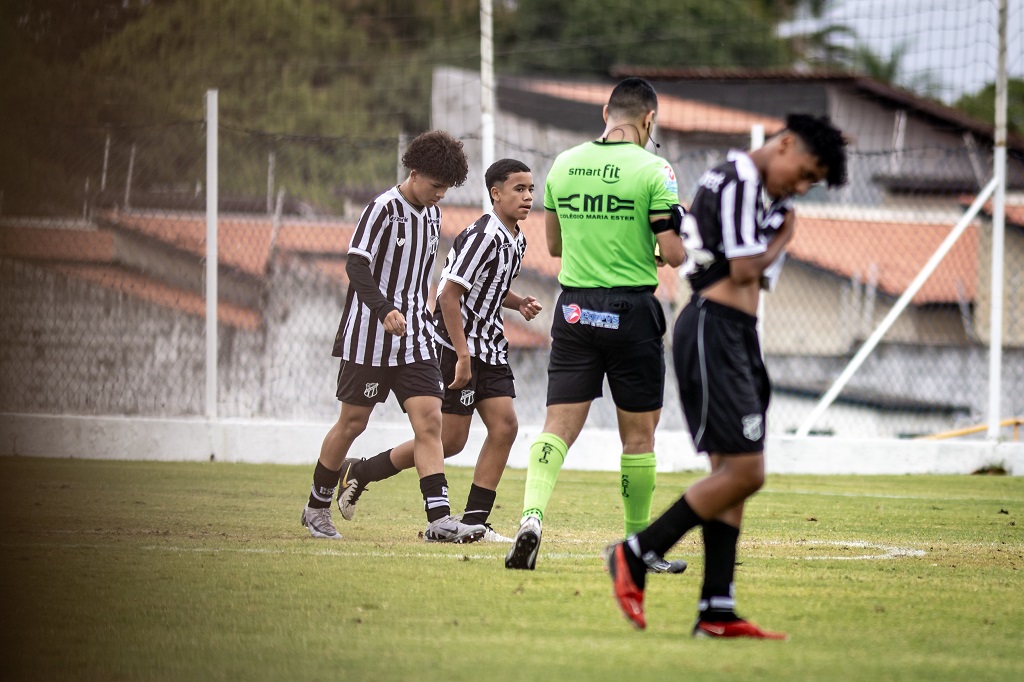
485, 259
729, 220
400, 241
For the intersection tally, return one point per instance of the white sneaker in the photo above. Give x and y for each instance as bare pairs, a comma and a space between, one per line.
319, 523
450, 529
523, 555
490, 535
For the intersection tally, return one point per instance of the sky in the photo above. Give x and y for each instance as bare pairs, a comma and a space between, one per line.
952, 43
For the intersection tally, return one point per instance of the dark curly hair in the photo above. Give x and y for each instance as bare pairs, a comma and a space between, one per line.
439, 156
824, 141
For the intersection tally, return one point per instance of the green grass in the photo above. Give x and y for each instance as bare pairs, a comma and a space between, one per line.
155, 571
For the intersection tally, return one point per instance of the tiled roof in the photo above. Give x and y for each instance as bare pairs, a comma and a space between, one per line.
874, 88
147, 289
1014, 212
674, 113
897, 250
519, 336
54, 244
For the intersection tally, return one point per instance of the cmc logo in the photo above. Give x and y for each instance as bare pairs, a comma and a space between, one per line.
572, 313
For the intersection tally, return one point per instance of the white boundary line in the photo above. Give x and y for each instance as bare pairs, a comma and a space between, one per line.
887, 551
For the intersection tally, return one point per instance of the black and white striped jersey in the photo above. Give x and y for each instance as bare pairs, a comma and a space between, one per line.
728, 219
485, 259
400, 241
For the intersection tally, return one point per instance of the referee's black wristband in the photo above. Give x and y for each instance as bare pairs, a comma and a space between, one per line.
674, 222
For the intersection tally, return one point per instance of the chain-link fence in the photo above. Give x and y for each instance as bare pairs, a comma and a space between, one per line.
102, 248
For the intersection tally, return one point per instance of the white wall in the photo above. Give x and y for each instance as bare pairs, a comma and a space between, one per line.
597, 449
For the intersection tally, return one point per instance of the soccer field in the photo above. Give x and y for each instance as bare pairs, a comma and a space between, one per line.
136, 570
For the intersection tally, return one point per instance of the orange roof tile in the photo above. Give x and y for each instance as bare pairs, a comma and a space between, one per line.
898, 251
674, 113
54, 244
519, 336
1014, 212
133, 284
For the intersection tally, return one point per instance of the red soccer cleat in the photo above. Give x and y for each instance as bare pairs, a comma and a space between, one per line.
629, 597
734, 628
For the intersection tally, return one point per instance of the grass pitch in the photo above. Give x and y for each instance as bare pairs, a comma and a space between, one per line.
174, 571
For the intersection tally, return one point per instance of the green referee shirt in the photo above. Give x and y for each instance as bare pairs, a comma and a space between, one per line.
604, 193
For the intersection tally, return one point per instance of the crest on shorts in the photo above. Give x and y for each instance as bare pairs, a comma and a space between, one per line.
467, 397
753, 427
572, 313
371, 390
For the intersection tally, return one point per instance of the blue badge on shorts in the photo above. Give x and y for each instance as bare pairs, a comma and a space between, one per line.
592, 318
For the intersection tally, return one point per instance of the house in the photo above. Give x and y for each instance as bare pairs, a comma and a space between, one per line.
856, 250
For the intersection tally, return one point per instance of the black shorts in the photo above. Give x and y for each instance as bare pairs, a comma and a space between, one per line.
608, 332
487, 381
367, 385
723, 383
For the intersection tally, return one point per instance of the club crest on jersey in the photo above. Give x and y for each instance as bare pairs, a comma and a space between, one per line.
400, 241
753, 427
371, 390
467, 397
433, 244
592, 318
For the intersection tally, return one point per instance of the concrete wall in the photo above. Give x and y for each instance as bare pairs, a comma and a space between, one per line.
597, 450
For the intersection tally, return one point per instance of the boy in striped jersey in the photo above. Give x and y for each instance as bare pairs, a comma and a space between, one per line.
739, 224
385, 339
475, 285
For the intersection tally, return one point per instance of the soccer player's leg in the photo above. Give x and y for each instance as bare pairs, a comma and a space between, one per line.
357, 403
499, 417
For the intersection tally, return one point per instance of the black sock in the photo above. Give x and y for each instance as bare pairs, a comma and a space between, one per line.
479, 505
435, 497
716, 596
377, 468
666, 530
322, 491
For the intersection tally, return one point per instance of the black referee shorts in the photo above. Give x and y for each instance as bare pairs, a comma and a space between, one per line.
608, 332
723, 383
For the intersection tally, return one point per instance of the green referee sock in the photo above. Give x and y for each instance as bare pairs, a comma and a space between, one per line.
638, 477
546, 457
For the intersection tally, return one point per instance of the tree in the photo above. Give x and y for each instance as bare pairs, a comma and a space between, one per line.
588, 37
982, 105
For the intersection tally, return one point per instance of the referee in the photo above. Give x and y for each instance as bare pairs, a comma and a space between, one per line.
609, 203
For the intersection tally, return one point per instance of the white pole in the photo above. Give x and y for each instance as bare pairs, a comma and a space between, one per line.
211, 254
106, 161
897, 308
272, 158
995, 344
128, 180
487, 105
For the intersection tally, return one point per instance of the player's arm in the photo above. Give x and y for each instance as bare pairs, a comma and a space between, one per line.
667, 228
450, 302
553, 232
357, 267
528, 306
748, 269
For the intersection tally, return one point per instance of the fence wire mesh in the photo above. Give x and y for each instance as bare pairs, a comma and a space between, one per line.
102, 247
